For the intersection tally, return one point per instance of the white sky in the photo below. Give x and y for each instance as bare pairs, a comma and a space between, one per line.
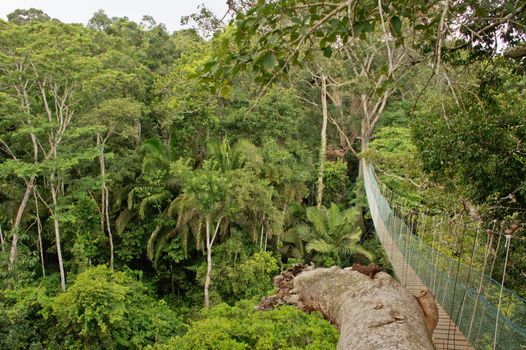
168, 12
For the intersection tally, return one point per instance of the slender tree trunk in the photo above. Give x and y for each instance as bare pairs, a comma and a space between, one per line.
2, 239
208, 263
108, 226
363, 146
18, 219
139, 132
323, 144
105, 211
29, 184
57, 234
102, 210
210, 239
261, 237
39, 229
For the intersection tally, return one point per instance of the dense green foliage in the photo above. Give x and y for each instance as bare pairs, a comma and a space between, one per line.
241, 327
100, 310
145, 173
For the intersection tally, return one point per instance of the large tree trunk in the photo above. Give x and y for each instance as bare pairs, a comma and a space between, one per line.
323, 141
372, 313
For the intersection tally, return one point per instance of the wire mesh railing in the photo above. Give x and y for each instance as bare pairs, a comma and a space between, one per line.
489, 315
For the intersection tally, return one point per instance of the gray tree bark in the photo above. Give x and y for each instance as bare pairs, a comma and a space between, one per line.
210, 239
371, 313
323, 141
18, 219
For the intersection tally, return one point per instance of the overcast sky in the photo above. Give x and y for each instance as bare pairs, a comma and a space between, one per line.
168, 12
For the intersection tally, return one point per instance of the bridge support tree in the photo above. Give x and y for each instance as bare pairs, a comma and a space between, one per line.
371, 313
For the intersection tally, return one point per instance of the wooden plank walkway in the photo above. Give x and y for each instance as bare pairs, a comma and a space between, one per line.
446, 336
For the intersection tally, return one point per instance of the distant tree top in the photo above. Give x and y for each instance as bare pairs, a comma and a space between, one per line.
21, 16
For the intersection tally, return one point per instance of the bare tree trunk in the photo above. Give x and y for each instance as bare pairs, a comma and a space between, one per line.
18, 219
261, 237
24, 99
57, 235
371, 310
105, 212
102, 192
2, 239
39, 230
209, 244
363, 145
138, 134
208, 263
108, 225
323, 144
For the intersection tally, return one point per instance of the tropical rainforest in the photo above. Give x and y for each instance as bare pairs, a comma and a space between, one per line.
152, 184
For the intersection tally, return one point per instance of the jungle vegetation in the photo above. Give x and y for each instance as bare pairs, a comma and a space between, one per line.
153, 183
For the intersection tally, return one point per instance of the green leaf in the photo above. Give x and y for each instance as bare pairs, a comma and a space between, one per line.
361, 27
327, 51
269, 61
396, 25
211, 66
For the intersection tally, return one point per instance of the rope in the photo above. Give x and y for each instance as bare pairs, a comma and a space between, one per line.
508, 239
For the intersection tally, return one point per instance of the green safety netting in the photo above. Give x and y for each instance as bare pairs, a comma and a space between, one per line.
471, 297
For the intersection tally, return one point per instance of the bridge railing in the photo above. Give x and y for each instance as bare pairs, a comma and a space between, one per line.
470, 297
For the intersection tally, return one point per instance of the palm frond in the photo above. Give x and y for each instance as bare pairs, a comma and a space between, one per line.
335, 219
156, 198
354, 236
161, 242
122, 220
296, 253
151, 242
319, 246
354, 248
304, 232
317, 218
131, 198
351, 215
153, 146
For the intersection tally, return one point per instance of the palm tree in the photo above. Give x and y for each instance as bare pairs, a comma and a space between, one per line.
206, 200
334, 232
163, 158
158, 160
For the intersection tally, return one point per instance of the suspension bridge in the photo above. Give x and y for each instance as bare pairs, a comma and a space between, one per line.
475, 310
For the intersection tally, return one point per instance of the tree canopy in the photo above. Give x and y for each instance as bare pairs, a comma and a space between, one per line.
153, 183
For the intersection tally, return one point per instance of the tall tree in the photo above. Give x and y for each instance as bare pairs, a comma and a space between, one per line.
120, 115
